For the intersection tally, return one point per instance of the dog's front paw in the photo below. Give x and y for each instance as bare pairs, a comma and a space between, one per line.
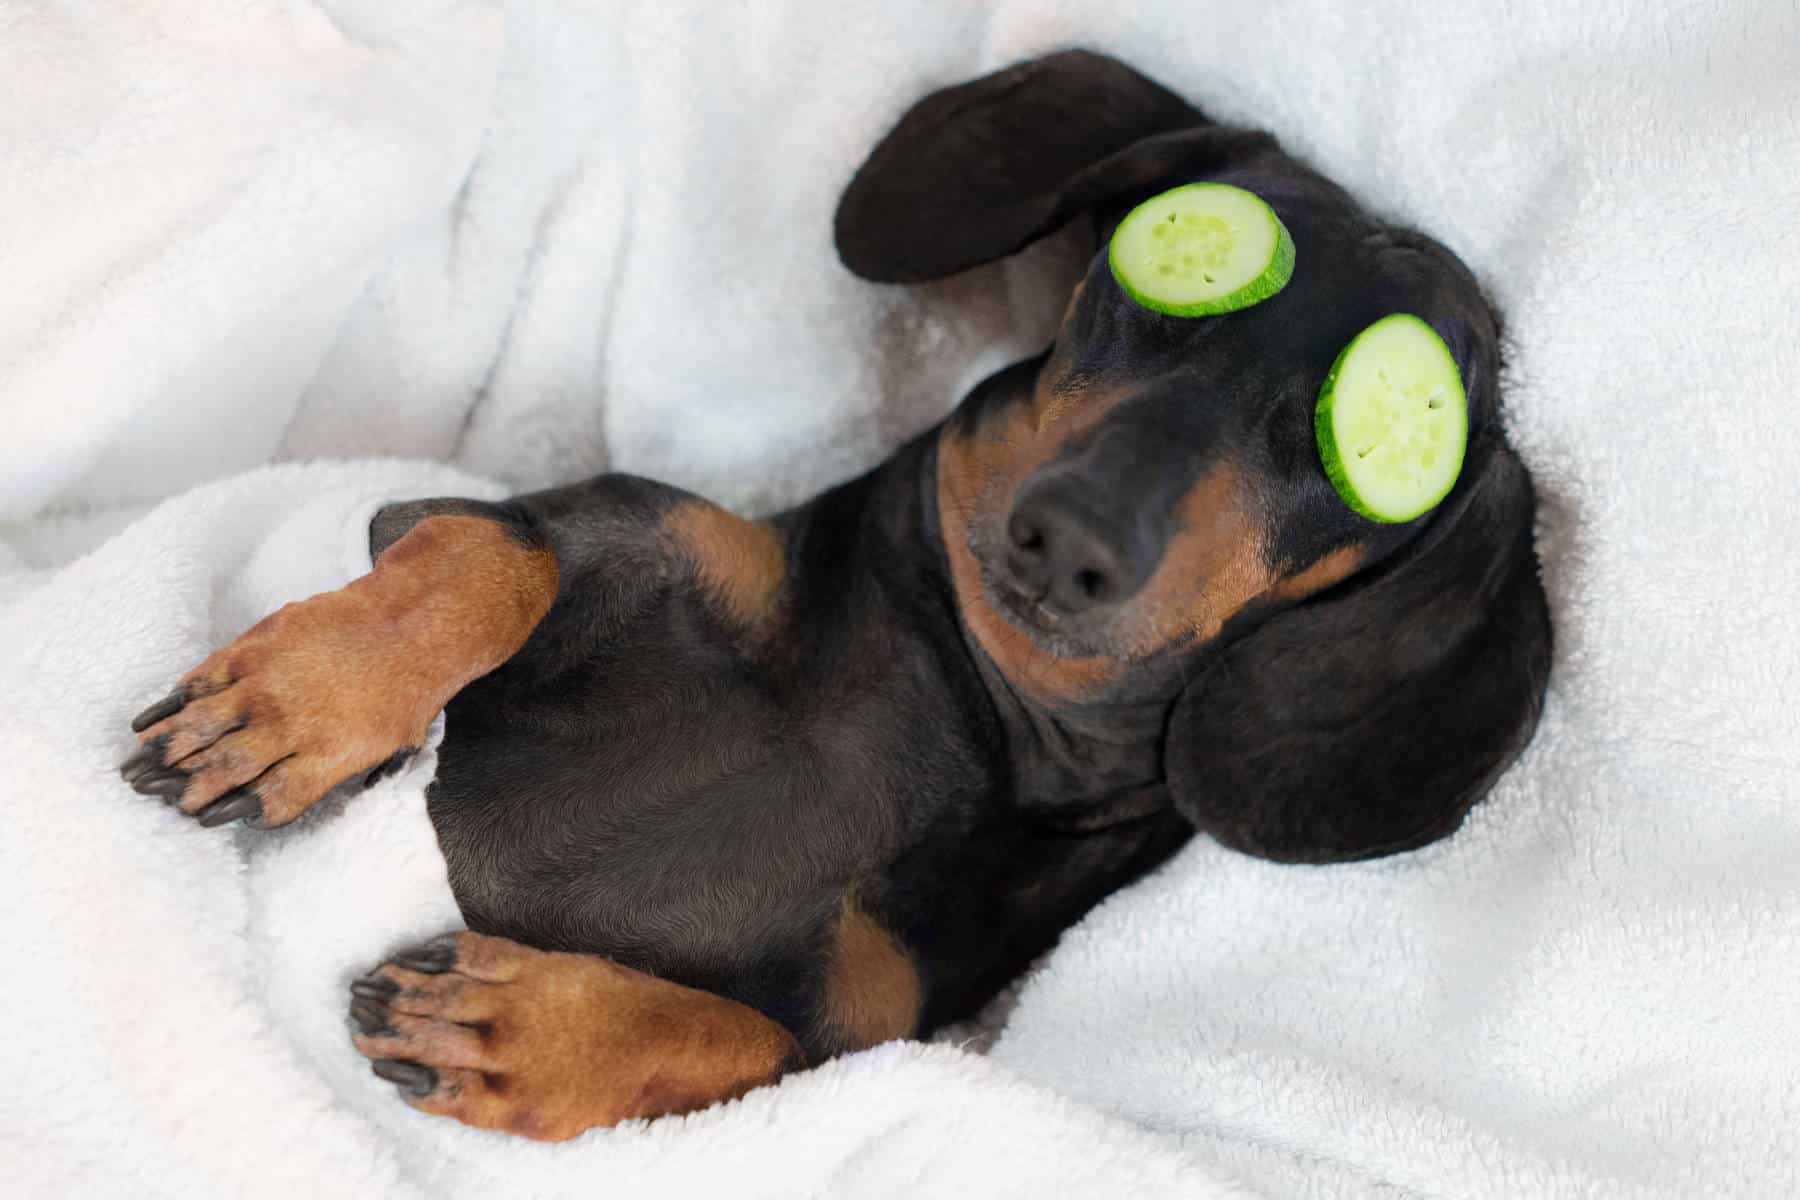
304, 700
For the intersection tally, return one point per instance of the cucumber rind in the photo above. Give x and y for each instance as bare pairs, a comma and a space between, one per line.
1331, 456
1266, 283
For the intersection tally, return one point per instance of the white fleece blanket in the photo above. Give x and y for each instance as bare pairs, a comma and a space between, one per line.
544, 240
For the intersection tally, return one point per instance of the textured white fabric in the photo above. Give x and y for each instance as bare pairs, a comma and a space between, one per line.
540, 240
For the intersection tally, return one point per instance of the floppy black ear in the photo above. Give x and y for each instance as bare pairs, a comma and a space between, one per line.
1369, 719
974, 172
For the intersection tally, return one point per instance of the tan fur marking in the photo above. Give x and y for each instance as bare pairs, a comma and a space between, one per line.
978, 475
1028, 666
1212, 567
741, 563
548, 1045
872, 994
331, 686
1328, 571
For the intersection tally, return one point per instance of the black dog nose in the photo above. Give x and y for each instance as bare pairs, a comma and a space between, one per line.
1072, 557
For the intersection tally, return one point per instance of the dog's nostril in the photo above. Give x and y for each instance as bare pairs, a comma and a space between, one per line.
1026, 536
1080, 582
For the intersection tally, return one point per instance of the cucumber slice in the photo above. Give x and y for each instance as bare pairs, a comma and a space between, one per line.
1393, 420
1202, 249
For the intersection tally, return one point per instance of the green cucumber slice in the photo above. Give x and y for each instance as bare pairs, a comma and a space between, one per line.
1393, 421
1200, 250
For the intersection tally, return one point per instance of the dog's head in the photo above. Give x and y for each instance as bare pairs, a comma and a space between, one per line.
1142, 511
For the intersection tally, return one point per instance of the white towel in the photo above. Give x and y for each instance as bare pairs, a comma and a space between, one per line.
540, 240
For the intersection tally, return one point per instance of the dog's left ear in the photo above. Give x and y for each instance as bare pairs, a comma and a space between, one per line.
974, 172
1369, 719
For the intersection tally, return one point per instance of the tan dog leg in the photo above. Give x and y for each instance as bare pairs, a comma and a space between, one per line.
339, 684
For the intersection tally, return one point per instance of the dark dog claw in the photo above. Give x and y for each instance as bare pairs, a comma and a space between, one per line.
146, 757
410, 1076
165, 782
375, 987
242, 802
168, 706
433, 957
390, 765
370, 1017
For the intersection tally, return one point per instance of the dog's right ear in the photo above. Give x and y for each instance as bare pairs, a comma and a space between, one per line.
974, 172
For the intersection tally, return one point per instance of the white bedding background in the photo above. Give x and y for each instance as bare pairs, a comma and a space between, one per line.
537, 240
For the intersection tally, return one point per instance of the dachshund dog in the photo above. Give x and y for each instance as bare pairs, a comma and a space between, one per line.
721, 798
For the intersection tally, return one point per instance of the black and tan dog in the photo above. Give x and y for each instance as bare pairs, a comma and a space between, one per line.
722, 797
